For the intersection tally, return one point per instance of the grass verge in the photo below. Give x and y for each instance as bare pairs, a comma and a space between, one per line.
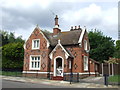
9, 73
115, 78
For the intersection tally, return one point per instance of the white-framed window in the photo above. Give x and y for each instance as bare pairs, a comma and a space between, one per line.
35, 43
85, 45
35, 62
85, 63
70, 64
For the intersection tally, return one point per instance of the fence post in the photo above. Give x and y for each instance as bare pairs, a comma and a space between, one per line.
49, 75
64, 76
102, 69
77, 77
112, 69
109, 68
71, 77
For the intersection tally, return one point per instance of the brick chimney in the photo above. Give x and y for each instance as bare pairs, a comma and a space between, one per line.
56, 29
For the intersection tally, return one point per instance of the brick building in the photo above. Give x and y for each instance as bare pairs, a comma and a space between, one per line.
58, 53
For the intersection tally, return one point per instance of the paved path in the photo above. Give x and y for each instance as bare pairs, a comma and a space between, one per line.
96, 80
14, 84
81, 84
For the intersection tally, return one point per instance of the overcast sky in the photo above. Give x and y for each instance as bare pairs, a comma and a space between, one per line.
22, 16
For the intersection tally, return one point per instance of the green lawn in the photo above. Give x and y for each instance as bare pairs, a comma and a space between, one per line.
8, 73
115, 78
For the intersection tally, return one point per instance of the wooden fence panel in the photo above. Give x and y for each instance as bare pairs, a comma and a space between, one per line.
109, 69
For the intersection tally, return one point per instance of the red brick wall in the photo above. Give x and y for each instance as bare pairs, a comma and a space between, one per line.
35, 75
59, 52
56, 31
92, 66
76, 50
43, 51
77, 61
78, 53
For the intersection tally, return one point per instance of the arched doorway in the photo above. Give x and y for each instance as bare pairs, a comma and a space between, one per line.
58, 63
58, 66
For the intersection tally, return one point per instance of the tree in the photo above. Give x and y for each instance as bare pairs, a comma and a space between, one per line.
3, 37
117, 49
19, 39
102, 47
12, 55
9, 38
118, 44
12, 50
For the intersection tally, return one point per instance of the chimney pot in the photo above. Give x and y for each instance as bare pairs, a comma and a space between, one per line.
56, 29
71, 28
56, 21
79, 27
75, 27
56, 17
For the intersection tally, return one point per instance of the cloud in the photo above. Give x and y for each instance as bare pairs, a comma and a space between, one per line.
25, 3
22, 15
86, 15
94, 16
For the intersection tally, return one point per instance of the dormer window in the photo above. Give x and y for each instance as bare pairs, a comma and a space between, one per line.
85, 45
35, 43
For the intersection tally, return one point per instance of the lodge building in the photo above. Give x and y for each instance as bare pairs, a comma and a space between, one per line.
55, 54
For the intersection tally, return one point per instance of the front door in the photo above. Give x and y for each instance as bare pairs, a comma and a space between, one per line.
59, 67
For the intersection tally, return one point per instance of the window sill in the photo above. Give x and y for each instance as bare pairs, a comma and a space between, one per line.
35, 48
86, 70
34, 69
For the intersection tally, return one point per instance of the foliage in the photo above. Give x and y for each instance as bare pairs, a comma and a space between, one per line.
3, 37
12, 50
117, 50
12, 55
102, 47
9, 38
118, 44
113, 60
117, 54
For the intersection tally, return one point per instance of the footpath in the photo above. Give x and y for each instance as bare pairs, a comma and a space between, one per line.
81, 84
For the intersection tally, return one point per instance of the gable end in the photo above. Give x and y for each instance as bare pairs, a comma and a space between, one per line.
59, 44
81, 37
48, 43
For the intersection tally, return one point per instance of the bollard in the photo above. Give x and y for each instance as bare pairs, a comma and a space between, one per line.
71, 77
106, 79
49, 76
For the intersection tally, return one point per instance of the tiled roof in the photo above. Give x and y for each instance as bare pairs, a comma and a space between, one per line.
71, 55
66, 38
